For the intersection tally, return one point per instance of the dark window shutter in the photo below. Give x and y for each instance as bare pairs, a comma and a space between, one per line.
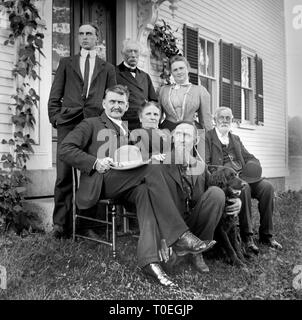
259, 91
230, 78
236, 82
191, 51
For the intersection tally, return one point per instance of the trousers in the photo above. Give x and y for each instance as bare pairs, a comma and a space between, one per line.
158, 216
263, 191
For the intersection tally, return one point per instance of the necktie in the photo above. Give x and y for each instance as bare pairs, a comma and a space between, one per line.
86, 76
187, 186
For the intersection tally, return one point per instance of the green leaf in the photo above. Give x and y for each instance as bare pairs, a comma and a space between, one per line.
11, 142
6, 42
4, 141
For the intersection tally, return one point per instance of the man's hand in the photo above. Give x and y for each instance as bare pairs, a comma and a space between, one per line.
234, 208
103, 165
165, 252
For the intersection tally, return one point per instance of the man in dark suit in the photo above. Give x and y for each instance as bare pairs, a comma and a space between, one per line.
76, 93
201, 207
138, 82
225, 148
89, 148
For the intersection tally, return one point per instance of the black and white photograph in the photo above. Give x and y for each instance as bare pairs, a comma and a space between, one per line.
151, 153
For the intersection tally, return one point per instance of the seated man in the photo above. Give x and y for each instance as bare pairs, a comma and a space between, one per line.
225, 148
88, 149
202, 208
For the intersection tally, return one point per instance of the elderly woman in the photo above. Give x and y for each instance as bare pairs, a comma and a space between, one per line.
152, 141
182, 100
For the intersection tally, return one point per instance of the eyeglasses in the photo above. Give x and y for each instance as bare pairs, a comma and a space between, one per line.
222, 118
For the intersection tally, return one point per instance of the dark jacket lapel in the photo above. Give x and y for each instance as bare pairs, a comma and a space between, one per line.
75, 62
98, 67
127, 75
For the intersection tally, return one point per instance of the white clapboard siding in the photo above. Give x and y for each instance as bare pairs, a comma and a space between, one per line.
258, 26
7, 58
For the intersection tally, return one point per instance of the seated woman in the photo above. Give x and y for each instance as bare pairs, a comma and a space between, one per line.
153, 142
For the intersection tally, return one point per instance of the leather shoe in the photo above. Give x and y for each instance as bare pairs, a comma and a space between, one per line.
199, 264
250, 245
188, 243
156, 272
57, 231
272, 243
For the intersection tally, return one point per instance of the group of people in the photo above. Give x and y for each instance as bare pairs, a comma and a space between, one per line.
174, 206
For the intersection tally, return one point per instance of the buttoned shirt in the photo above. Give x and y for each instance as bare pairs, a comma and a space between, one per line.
83, 55
119, 123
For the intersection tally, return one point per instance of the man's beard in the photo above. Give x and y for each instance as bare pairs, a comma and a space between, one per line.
224, 130
182, 155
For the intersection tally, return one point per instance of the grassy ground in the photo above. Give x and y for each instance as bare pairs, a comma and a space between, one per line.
39, 267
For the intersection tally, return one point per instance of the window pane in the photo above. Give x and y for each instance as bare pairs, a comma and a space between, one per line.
208, 84
60, 31
245, 104
202, 56
210, 59
245, 71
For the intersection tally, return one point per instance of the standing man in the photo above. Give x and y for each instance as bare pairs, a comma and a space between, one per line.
225, 148
138, 82
77, 93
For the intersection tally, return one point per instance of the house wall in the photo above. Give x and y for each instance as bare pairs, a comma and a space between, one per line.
42, 133
257, 26
7, 59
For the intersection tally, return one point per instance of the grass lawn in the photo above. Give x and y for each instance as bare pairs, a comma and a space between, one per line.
39, 267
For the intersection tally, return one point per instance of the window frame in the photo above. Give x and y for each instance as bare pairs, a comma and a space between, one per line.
212, 37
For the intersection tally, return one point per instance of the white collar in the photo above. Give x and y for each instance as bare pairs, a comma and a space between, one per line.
224, 139
127, 65
84, 53
185, 84
119, 122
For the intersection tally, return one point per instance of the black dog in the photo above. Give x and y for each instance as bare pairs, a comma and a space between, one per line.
227, 234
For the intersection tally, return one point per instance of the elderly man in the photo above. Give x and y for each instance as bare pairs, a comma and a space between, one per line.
225, 148
88, 148
138, 82
202, 207
76, 93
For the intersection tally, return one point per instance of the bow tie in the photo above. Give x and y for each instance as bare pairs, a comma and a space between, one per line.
130, 69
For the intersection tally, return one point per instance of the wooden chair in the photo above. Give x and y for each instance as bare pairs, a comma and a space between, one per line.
113, 207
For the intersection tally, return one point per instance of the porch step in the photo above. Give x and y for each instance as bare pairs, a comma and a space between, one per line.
43, 209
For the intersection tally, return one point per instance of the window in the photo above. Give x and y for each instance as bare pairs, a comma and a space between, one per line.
240, 74
241, 79
246, 87
200, 51
206, 67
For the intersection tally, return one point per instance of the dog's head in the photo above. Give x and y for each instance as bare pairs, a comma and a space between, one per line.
227, 179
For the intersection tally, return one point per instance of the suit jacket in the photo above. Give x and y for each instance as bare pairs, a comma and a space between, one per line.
140, 87
177, 191
213, 149
80, 149
197, 100
66, 103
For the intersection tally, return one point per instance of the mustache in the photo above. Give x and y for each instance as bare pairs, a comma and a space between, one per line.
116, 109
